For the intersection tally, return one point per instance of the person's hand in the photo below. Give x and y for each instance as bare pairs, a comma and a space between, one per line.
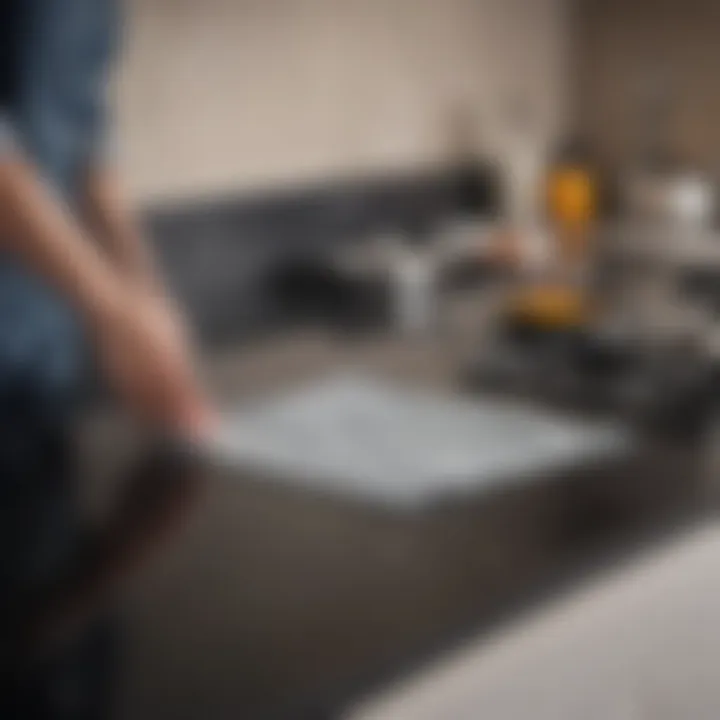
145, 355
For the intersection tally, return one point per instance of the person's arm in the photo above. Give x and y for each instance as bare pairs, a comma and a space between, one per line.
114, 224
115, 227
37, 228
145, 360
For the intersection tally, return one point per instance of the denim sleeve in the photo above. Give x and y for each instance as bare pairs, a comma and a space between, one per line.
8, 138
109, 29
104, 148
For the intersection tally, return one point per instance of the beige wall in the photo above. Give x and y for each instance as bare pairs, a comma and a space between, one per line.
228, 94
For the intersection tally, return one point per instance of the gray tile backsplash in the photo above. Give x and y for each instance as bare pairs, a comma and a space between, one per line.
219, 255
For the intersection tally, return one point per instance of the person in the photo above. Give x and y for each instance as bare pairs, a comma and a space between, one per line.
74, 274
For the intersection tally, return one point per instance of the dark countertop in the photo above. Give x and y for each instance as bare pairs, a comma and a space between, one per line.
268, 601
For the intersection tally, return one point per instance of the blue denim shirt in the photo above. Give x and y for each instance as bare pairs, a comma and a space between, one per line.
54, 60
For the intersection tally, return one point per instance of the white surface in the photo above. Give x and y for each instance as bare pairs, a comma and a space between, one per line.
642, 644
358, 436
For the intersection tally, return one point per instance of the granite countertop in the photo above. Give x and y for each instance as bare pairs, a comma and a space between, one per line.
271, 601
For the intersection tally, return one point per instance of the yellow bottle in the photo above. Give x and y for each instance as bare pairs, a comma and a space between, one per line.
572, 208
